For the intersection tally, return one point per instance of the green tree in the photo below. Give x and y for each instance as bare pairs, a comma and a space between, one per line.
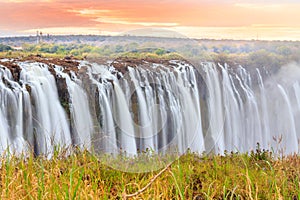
4, 48
160, 51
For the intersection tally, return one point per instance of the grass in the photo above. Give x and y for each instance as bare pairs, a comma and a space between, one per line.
82, 175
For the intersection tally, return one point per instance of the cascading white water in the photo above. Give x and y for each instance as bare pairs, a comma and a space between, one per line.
81, 120
264, 112
191, 134
149, 106
49, 119
13, 98
145, 100
215, 135
243, 116
231, 113
117, 129
4, 126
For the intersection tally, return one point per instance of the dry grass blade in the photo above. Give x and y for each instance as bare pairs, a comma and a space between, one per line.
125, 196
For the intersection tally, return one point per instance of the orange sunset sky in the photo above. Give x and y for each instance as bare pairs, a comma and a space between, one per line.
217, 19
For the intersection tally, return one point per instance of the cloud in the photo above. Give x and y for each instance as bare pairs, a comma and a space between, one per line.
124, 22
25, 1
90, 12
116, 15
108, 17
259, 6
24, 15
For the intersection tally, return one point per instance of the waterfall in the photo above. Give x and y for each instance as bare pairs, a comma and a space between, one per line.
50, 123
215, 135
82, 126
12, 125
148, 106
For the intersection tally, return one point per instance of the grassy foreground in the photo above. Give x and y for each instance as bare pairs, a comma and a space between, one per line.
82, 175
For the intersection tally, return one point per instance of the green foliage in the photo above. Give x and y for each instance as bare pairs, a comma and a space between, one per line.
249, 54
5, 48
160, 51
261, 154
284, 50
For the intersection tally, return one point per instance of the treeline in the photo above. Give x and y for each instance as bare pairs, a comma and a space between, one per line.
131, 49
250, 54
269, 56
79, 49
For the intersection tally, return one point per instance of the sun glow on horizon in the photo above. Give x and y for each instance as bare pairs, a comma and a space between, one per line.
225, 19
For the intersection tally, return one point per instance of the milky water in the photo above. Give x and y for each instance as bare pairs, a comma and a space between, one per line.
157, 108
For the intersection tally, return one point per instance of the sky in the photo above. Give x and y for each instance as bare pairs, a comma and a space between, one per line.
215, 19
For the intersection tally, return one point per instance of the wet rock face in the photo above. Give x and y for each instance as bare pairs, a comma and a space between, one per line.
69, 65
121, 64
14, 69
63, 94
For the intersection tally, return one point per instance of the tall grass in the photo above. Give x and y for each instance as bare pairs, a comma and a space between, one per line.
82, 175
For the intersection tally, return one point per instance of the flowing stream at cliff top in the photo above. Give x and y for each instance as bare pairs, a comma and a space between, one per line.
126, 107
